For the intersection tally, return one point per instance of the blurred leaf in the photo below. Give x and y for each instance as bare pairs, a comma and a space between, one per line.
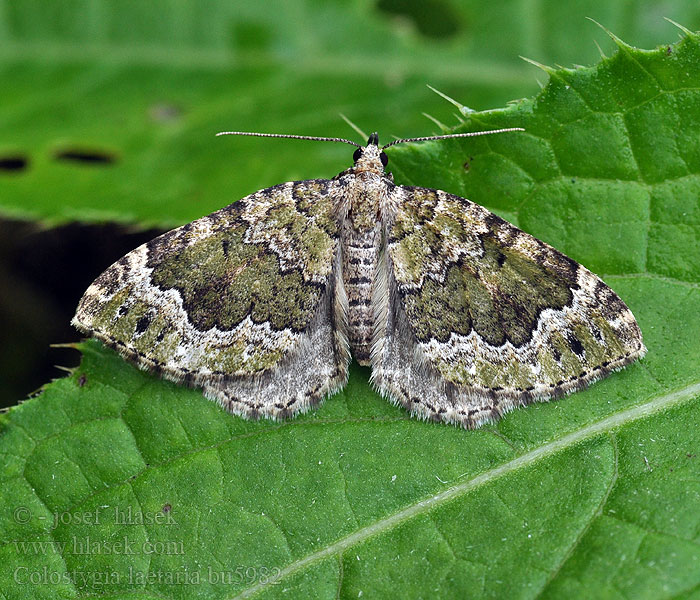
595, 495
109, 108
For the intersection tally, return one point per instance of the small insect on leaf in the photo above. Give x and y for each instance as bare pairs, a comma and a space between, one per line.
461, 316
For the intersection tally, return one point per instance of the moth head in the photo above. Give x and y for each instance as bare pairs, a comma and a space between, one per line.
370, 158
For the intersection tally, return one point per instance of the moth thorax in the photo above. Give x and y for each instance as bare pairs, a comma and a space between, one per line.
364, 212
360, 256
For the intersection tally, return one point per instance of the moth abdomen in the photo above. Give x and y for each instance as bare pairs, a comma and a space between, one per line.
360, 256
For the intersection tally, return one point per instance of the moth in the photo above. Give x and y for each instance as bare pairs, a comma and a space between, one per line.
461, 315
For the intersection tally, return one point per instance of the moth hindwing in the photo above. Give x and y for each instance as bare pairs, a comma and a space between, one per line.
460, 315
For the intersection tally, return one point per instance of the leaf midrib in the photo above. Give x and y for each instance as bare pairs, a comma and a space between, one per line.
607, 424
456, 69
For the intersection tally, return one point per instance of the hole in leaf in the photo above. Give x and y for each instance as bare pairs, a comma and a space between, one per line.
13, 163
90, 157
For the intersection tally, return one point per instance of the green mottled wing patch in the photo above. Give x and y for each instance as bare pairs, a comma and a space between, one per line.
227, 300
483, 317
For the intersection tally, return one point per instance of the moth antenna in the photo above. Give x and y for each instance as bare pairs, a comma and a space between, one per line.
291, 136
452, 135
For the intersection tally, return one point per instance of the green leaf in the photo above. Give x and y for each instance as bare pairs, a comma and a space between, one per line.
595, 495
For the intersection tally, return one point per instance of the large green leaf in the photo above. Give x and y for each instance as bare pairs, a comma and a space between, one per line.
595, 495
147, 84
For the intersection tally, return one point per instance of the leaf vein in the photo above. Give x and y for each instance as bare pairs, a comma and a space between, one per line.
655, 404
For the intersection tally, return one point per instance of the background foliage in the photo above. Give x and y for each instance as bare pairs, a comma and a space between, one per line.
109, 116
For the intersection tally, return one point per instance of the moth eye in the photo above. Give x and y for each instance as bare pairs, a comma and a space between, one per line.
384, 158
356, 155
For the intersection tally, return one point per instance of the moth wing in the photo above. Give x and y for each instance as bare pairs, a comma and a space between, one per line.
483, 317
242, 302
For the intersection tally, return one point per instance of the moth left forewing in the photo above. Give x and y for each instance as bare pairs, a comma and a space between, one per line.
483, 317
316, 366
241, 303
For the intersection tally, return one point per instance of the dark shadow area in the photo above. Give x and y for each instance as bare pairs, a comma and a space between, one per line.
43, 274
435, 19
